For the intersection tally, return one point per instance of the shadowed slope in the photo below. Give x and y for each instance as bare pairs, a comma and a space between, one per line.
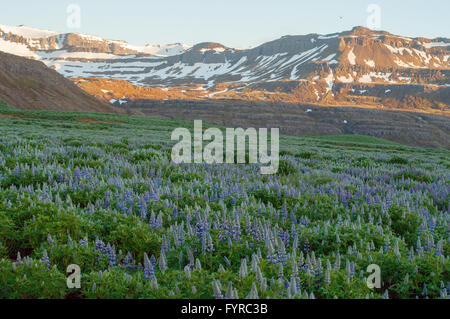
29, 84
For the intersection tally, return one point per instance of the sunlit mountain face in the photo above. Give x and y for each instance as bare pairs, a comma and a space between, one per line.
360, 67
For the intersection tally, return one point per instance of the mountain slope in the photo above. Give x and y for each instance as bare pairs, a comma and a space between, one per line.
359, 67
28, 84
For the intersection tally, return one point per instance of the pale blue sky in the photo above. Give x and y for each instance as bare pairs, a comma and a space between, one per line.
235, 23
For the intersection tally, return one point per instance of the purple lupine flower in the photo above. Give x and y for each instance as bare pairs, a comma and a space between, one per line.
84, 242
306, 246
45, 259
129, 262
100, 245
149, 271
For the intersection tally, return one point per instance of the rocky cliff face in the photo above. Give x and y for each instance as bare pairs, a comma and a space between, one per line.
359, 67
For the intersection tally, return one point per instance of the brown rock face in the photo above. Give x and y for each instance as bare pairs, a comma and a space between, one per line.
29, 84
77, 43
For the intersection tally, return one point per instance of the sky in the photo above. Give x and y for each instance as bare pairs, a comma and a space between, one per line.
234, 23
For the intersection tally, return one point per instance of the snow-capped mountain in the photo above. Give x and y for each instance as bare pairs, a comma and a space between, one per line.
49, 45
353, 67
163, 50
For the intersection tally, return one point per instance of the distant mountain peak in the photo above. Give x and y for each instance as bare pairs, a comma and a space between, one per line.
27, 32
209, 46
32, 39
360, 30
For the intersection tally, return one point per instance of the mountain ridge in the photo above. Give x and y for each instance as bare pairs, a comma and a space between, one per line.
359, 67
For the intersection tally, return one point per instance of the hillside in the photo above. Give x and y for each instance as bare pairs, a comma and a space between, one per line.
29, 84
410, 128
100, 191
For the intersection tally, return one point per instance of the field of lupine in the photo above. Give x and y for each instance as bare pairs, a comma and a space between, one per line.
100, 191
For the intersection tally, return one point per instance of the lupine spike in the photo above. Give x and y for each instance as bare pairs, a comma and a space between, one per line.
253, 292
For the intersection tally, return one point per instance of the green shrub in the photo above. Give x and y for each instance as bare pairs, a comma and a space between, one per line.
31, 280
286, 168
404, 224
398, 160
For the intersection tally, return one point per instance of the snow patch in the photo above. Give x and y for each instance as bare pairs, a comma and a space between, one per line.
331, 36
330, 81
17, 49
404, 78
220, 92
351, 57
435, 44
407, 65
87, 55
398, 50
370, 63
90, 37
27, 32
216, 50
366, 78
344, 79
331, 56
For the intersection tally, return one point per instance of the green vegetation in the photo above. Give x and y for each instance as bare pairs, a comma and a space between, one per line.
100, 191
